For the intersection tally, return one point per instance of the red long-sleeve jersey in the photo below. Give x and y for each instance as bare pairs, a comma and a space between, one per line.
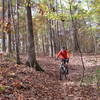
63, 54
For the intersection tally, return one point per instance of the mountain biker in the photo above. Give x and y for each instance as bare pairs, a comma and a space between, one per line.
63, 54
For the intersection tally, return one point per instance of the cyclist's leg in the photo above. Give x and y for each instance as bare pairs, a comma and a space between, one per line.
67, 60
62, 70
66, 65
60, 74
63, 61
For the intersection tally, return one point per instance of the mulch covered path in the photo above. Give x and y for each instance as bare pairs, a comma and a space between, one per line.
19, 82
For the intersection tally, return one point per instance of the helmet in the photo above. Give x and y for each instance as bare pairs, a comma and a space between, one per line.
63, 48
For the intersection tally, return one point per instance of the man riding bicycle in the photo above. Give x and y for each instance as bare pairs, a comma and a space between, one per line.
63, 54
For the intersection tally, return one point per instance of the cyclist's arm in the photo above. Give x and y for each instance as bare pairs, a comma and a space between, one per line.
59, 53
68, 54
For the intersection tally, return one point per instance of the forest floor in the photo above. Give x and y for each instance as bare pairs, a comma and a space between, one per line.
19, 82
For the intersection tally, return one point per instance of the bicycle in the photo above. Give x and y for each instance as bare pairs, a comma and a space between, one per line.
64, 71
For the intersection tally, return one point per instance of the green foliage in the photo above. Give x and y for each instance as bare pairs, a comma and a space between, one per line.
86, 10
83, 10
3, 88
93, 78
98, 73
39, 23
56, 16
90, 79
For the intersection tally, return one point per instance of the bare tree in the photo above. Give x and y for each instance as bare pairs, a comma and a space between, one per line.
31, 60
17, 34
3, 33
9, 28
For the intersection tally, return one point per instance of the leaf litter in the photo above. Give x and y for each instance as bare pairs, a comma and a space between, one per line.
20, 82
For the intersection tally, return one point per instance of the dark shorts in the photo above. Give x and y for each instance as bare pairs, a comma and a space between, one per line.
65, 60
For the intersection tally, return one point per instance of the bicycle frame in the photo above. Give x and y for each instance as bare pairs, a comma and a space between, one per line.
63, 70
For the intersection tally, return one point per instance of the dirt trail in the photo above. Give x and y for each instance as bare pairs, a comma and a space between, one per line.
32, 85
71, 85
75, 66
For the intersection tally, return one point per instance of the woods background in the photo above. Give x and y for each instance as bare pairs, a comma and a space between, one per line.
74, 24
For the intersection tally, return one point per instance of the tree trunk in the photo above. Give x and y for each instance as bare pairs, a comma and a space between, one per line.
17, 35
54, 38
9, 30
74, 29
3, 33
43, 45
13, 43
24, 44
57, 37
50, 38
37, 44
46, 44
31, 60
